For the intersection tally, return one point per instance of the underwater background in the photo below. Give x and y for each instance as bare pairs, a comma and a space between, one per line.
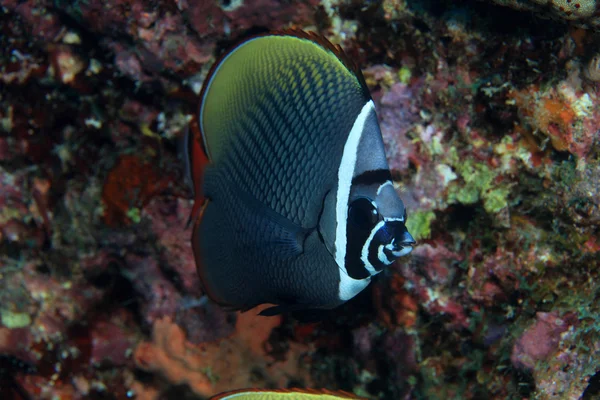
490, 114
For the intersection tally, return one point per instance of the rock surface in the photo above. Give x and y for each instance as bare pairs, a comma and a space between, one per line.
492, 134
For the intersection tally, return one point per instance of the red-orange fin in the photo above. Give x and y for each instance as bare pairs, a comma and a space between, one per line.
338, 394
198, 160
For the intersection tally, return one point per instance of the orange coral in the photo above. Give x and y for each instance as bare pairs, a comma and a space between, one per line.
554, 118
592, 245
549, 115
130, 184
45, 389
236, 362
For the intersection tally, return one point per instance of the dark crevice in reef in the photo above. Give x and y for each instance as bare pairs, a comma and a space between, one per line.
524, 382
593, 390
492, 18
119, 291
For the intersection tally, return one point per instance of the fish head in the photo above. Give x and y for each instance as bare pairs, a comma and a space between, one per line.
363, 222
377, 226
372, 215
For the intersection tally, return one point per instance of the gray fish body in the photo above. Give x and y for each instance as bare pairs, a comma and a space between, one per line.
262, 264
293, 141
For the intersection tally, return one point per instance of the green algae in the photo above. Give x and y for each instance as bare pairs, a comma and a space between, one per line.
13, 320
404, 74
478, 185
419, 224
496, 200
134, 214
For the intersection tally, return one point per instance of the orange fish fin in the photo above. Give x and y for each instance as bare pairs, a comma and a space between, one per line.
197, 210
284, 394
198, 160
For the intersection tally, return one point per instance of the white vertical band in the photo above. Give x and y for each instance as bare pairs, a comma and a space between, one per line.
349, 286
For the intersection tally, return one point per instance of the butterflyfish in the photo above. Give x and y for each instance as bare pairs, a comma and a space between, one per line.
285, 394
294, 200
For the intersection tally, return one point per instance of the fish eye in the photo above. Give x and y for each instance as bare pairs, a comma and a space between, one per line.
363, 213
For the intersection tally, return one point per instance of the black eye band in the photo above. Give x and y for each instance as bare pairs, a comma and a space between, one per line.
363, 214
363, 217
373, 176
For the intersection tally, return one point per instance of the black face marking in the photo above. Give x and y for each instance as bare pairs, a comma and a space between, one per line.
354, 265
392, 232
383, 236
363, 214
372, 176
362, 218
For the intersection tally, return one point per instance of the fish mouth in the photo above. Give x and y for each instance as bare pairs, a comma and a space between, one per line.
393, 251
397, 243
402, 244
402, 251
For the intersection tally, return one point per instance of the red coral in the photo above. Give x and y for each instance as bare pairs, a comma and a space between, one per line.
430, 274
130, 184
43, 24
592, 245
272, 14
160, 297
169, 217
541, 339
111, 341
17, 342
398, 111
62, 303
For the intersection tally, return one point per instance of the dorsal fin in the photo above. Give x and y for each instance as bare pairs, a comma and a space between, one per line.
322, 41
198, 152
295, 32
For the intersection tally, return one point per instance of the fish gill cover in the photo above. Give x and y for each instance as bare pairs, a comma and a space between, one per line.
490, 114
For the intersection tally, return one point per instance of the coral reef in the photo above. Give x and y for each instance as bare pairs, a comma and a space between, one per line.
492, 132
241, 360
585, 12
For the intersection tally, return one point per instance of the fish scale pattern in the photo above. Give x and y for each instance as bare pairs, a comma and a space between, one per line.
236, 281
282, 135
